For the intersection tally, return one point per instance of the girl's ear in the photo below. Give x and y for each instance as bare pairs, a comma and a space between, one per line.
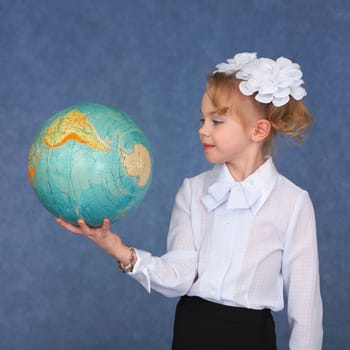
262, 130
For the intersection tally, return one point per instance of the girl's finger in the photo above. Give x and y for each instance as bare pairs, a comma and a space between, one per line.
106, 224
105, 227
68, 226
86, 230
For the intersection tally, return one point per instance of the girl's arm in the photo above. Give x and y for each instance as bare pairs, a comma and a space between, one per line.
301, 278
173, 273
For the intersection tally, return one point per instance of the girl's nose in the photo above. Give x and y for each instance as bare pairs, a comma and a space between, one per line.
203, 130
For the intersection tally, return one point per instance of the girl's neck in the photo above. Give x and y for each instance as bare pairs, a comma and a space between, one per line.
241, 169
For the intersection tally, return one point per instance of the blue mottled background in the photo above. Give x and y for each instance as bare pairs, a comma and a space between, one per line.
150, 59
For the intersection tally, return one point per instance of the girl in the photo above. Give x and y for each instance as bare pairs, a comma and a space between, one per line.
241, 233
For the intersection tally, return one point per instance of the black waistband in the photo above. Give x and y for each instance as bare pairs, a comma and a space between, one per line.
212, 309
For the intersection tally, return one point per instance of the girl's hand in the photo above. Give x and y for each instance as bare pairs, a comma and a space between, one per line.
102, 237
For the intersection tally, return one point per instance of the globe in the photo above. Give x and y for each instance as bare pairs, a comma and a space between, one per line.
90, 161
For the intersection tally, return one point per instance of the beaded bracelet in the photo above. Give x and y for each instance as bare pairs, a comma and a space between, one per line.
129, 267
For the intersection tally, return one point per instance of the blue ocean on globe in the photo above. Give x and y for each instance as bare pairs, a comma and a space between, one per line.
90, 161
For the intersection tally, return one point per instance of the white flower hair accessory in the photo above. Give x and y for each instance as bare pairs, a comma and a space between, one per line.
273, 81
236, 63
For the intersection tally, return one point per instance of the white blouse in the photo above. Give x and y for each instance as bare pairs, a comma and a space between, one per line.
242, 244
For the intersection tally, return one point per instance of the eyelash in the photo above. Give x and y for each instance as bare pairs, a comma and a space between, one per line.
214, 121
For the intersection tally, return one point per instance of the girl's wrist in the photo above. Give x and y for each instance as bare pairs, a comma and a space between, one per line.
128, 265
121, 251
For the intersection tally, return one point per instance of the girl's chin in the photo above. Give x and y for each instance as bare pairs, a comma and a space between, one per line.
212, 160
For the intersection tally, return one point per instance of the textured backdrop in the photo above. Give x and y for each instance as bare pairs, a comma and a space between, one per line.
150, 59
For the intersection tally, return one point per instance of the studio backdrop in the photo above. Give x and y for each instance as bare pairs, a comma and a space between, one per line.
150, 59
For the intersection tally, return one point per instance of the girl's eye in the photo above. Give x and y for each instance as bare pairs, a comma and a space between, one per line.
213, 121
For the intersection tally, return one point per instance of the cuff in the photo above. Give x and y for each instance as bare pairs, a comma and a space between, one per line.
140, 272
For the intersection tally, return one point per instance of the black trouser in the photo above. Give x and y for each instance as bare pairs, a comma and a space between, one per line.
201, 324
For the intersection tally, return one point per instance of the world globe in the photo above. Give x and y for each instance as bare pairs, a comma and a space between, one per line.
90, 161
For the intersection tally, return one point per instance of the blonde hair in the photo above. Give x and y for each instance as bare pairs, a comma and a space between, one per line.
290, 120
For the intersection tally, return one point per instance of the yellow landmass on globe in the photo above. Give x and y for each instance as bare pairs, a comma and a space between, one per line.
74, 126
33, 158
138, 163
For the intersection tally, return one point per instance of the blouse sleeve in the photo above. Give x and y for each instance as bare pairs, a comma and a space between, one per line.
173, 273
300, 270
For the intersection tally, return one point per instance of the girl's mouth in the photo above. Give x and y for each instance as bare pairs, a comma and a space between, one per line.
207, 146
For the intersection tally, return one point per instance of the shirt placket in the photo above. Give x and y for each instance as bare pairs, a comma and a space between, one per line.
229, 241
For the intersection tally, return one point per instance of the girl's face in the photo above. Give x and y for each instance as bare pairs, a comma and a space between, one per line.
224, 137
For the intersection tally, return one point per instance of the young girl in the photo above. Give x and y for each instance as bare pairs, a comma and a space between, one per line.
241, 233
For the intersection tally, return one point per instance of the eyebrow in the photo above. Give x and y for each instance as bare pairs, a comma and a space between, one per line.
210, 114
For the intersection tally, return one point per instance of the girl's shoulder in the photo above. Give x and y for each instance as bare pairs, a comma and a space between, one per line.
204, 178
197, 185
288, 194
288, 186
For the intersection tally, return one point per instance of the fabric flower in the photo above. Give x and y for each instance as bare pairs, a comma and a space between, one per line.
273, 81
236, 63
